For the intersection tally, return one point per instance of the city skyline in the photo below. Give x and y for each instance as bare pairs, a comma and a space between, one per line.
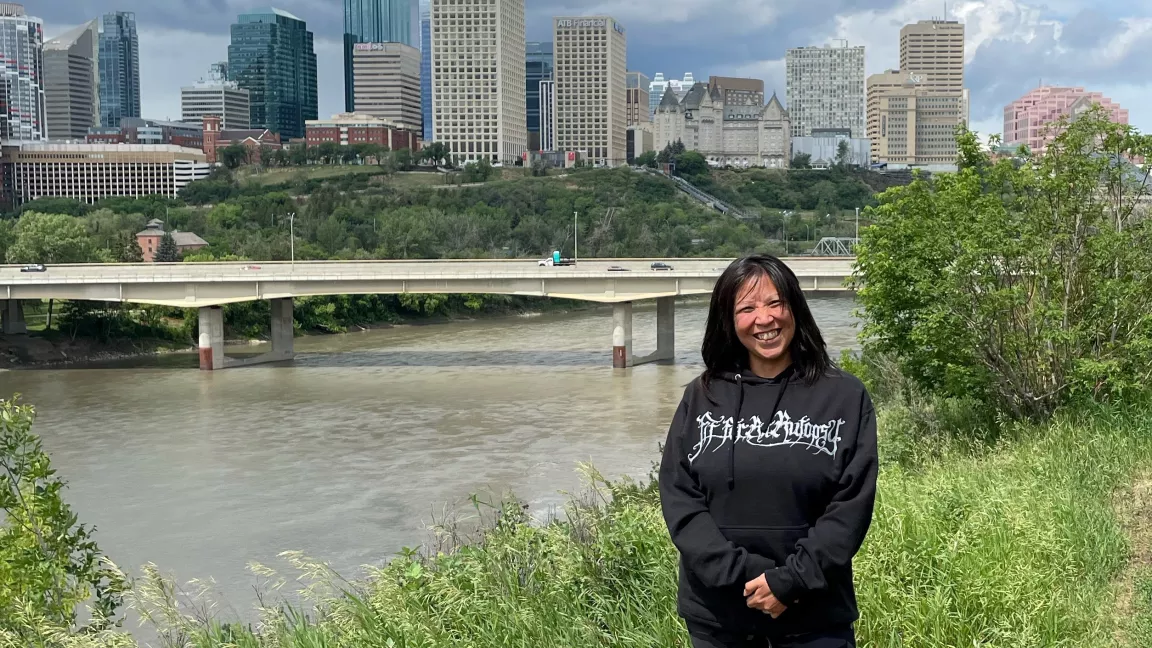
1012, 46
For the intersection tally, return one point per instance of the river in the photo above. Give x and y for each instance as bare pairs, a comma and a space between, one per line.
348, 452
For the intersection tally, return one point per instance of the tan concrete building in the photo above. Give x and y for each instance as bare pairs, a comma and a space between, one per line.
386, 82
479, 84
90, 172
591, 85
72, 82
934, 48
910, 122
913, 112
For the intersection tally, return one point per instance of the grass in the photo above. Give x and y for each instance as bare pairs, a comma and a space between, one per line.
278, 176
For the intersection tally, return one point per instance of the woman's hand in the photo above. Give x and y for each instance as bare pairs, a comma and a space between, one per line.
760, 597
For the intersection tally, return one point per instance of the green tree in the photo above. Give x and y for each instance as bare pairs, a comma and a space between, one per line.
128, 250
167, 252
691, 164
843, 154
479, 171
233, 156
7, 236
50, 566
801, 161
68, 206
50, 238
647, 159
388, 163
1024, 285
402, 158
437, 153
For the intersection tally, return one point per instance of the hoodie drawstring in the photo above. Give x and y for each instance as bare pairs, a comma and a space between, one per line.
736, 424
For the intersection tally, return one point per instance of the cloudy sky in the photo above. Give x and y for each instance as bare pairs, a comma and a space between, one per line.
1012, 45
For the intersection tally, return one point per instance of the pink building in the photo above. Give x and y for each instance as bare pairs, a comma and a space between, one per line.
1026, 118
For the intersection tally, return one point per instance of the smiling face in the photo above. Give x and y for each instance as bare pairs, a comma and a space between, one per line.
765, 327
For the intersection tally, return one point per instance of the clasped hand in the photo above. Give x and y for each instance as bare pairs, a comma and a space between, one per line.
759, 596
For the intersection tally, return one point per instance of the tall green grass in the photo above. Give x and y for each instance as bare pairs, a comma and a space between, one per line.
1012, 544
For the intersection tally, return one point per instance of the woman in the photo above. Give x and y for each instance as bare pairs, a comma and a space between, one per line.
769, 473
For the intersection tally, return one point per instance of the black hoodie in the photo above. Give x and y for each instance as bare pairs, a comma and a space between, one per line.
773, 477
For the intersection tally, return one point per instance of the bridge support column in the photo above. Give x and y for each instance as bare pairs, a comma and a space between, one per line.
665, 333
211, 338
622, 335
12, 317
283, 331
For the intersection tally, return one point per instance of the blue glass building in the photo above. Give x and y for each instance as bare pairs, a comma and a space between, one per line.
538, 66
426, 70
376, 21
119, 68
272, 57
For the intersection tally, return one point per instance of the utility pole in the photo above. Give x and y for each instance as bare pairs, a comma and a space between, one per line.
292, 236
857, 224
575, 234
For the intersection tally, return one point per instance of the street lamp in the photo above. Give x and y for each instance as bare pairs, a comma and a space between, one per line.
575, 235
292, 237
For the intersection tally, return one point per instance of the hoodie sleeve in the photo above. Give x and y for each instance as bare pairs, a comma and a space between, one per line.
706, 553
836, 536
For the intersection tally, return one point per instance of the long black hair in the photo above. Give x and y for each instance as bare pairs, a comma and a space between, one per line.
722, 349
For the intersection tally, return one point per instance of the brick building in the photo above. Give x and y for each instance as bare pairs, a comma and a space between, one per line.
133, 130
348, 129
216, 138
149, 240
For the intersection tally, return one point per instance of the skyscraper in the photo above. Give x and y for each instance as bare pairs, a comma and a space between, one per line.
537, 67
216, 96
913, 112
22, 110
656, 92
639, 104
591, 109
388, 83
271, 56
119, 68
478, 107
426, 70
826, 89
376, 21
934, 48
71, 93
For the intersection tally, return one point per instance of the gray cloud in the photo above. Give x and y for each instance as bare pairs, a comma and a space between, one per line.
1089, 28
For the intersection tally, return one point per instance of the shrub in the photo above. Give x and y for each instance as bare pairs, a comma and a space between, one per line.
1022, 283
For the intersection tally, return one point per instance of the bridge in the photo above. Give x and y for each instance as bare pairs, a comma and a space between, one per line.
207, 286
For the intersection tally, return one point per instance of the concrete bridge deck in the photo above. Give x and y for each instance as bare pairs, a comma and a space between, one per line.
207, 286
212, 284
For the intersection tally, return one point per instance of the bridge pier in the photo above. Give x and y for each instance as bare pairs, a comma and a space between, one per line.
212, 338
665, 352
12, 317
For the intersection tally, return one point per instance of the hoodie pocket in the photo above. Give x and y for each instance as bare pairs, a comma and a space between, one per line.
773, 542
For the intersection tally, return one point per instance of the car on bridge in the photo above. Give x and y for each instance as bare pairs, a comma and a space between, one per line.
34, 267
660, 265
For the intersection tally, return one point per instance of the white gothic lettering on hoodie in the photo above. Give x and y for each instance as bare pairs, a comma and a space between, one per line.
783, 431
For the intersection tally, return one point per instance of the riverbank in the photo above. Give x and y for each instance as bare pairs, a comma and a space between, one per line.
1030, 542
52, 349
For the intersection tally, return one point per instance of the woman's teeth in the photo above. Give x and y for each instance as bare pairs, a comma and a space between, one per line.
767, 335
